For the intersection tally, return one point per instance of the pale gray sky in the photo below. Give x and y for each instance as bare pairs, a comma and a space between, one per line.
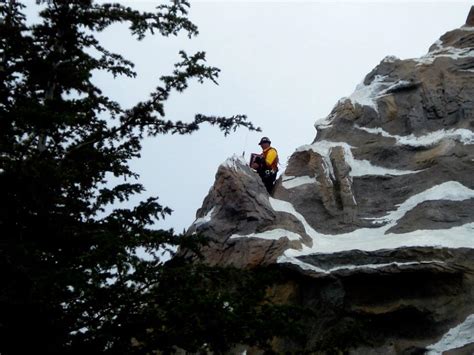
284, 64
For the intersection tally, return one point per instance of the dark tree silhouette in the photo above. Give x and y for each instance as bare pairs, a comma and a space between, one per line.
71, 281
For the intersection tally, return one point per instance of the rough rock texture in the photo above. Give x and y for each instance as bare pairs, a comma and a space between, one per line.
436, 215
409, 99
396, 308
373, 223
236, 207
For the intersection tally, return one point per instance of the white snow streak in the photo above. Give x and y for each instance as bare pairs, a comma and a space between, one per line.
365, 95
444, 51
325, 122
302, 265
273, 234
306, 266
451, 190
397, 85
235, 162
358, 167
381, 266
462, 135
207, 218
457, 337
285, 206
370, 239
290, 182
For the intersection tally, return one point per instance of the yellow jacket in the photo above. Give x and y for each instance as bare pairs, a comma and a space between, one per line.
271, 158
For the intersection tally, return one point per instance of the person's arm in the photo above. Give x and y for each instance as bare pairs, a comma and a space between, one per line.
271, 156
255, 166
257, 163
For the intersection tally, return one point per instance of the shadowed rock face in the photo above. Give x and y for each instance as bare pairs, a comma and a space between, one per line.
236, 207
393, 306
372, 223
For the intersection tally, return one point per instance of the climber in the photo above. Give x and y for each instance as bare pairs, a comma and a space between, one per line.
266, 164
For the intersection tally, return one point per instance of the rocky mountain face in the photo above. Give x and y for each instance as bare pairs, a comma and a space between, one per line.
373, 222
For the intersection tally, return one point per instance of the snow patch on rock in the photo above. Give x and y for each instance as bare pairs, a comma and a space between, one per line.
457, 337
447, 52
273, 234
235, 162
284, 206
371, 239
203, 220
358, 167
366, 95
381, 85
306, 266
451, 190
290, 182
461, 135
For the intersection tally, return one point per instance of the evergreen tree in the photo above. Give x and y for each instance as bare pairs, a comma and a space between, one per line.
71, 279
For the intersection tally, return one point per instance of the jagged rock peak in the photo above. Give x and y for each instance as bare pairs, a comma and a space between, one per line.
236, 162
240, 218
375, 217
470, 18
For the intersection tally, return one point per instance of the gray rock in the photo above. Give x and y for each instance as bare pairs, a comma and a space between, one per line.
413, 133
237, 207
470, 18
435, 215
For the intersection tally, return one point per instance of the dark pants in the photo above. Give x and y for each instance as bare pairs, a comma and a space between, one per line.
268, 178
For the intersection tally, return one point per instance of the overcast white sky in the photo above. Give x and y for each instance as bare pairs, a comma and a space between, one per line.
284, 64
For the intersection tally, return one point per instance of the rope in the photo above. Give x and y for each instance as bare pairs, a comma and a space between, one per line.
245, 143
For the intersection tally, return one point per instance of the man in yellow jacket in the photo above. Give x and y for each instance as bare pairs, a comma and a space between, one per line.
267, 163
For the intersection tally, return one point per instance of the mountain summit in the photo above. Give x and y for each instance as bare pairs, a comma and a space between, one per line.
374, 219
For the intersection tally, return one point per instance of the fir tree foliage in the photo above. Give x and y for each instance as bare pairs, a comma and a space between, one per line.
71, 278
